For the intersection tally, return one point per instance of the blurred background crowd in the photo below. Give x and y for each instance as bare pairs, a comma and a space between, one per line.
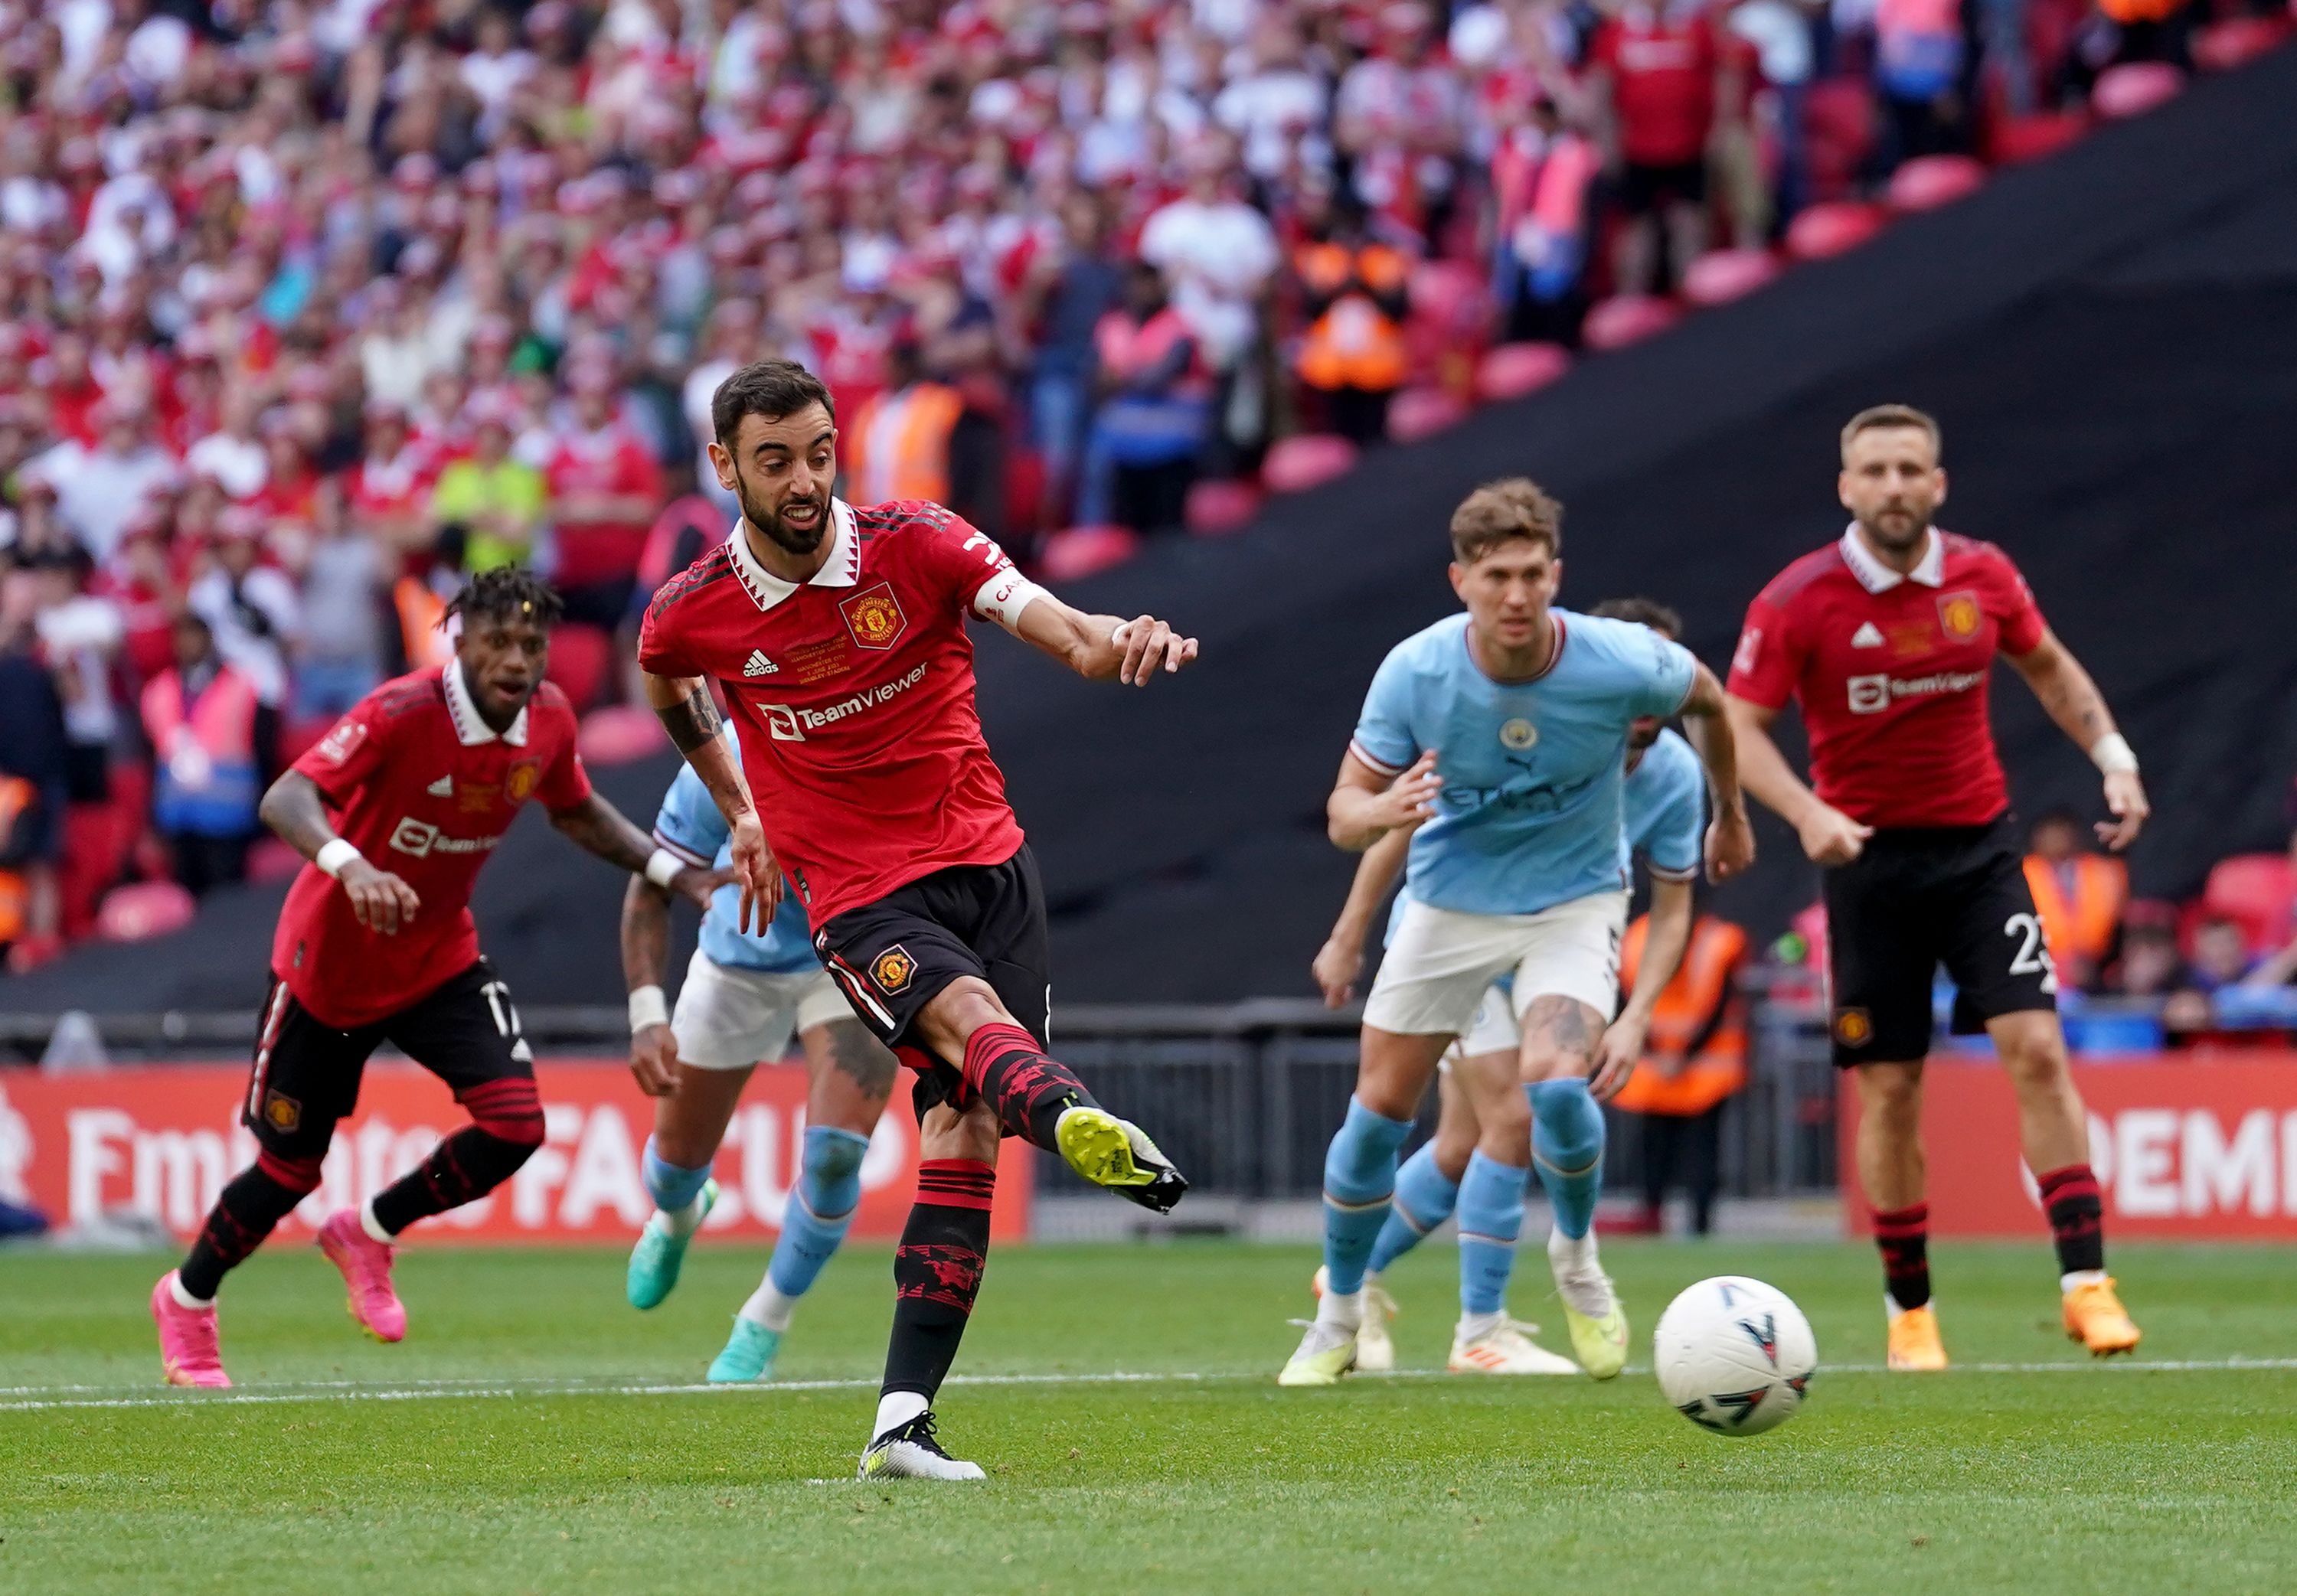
308, 308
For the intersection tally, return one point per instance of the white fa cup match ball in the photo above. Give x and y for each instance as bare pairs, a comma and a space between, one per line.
1734, 1355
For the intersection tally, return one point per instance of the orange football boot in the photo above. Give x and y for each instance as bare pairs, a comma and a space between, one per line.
1915, 1343
2096, 1317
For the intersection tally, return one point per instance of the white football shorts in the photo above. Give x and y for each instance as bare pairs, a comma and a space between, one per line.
1440, 962
729, 1018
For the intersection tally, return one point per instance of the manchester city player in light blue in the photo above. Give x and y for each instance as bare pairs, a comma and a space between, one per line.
1474, 1162
1501, 734
744, 996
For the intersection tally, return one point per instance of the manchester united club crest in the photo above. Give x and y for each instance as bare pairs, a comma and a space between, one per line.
281, 1112
873, 616
1853, 1028
892, 969
1960, 614
519, 783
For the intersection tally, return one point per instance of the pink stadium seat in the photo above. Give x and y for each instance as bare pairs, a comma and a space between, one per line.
620, 733
582, 658
2237, 41
2030, 138
1084, 550
2133, 89
272, 860
1297, 463
1215, 509
1514, 370
147, 909
1833, 228
1930, 181
1721, 275
1418, 413
1626, 318
2256, 889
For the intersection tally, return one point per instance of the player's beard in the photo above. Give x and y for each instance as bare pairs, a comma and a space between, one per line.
793, 540
1904, 530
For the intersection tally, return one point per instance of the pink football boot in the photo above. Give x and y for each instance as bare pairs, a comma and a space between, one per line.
189, 1354
365, 1263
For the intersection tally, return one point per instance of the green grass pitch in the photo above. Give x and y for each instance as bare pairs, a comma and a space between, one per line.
522, 1439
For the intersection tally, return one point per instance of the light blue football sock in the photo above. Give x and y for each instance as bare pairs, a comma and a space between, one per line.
673, 1186
815, 1219
1491, 1218
1359, 1180
1425, 1197
1566, 1150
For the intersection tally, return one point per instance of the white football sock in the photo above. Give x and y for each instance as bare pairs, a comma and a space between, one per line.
184, 1299
1579, 1272
1472, 1325
769, 1308
681, 1224
2080, 1276
1341, 1310
374, 1226
896, 1408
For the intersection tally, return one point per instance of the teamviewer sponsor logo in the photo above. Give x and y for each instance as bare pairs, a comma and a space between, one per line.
420, 839
1872, 694
790, 723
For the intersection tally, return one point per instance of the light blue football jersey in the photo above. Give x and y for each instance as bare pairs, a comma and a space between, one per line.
690, 825
1531, 813
1664, 799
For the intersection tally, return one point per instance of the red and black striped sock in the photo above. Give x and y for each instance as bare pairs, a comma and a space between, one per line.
2070, 1198
1903, 1236
506, 1128
937, 1272
1027, 1089
249, 1209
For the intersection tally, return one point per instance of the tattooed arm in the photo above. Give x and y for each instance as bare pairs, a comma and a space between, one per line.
2073, 701
596, 826
690, 715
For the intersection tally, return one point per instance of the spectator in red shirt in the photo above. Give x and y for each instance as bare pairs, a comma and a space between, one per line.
605, 489
1662, 78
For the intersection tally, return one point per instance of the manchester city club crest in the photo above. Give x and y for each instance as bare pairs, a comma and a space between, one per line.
1518, 734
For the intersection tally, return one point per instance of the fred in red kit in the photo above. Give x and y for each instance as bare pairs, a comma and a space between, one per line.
1886, 639
838, 637
398, 808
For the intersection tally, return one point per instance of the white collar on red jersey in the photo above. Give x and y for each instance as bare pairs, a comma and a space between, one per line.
471, 728
1876, 577
841, 568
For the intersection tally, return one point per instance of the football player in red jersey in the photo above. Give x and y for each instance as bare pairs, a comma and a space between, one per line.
1886, 639
397, 809
837, 636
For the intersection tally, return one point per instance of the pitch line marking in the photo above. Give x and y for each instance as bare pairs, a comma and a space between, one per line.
27, 1399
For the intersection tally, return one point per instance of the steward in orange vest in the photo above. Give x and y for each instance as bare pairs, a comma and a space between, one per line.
1700, 1020
2080, 896
1353, 354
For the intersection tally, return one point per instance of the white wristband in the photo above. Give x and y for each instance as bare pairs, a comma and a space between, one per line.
2112, 754
335, 853
647, 1008
662, 867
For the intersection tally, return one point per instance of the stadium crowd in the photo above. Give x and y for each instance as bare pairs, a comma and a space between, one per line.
313, 307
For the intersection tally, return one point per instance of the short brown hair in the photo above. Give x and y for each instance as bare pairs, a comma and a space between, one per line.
1876, 417
1642, 612
772, 389
1501, 513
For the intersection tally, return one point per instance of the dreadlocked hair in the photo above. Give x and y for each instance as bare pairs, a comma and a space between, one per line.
507, 593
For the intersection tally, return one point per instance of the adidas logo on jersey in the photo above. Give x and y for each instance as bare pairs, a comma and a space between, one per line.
760, 665
1867, 635
444, 787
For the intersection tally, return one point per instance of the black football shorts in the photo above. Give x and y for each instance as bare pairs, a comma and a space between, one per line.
307, 1072
1918, 897
892, 957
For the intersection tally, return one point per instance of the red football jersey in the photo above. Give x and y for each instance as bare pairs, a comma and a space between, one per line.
425, 788
1891, 674
854, 695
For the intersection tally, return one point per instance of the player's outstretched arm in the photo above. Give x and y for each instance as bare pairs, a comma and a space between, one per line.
1367, 804
690, 716
1828, 836
597, 828
1730, 837
294, 810
1341, 961
1666, 937
646, 949
2075, 704
1099, 646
